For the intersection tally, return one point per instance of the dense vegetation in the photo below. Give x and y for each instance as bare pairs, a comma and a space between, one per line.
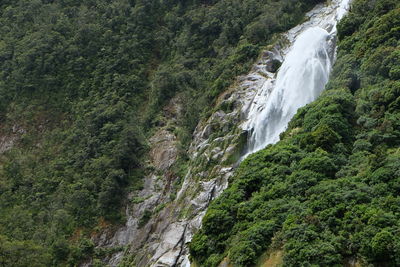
329, 192
81, 86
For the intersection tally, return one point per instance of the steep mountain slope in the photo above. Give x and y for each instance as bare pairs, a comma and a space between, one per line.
327, 194
217, 146
82, 90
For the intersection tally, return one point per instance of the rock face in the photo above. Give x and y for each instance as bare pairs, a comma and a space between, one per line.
7, 141
164, 151
218, 144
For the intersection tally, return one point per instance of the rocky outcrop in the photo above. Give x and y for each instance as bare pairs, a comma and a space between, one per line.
145, 204
218, 143
164, 151
160, 225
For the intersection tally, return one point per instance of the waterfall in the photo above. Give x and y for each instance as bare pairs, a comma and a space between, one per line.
301, 78
263, 102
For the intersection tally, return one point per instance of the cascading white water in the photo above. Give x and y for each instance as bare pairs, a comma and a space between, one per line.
299, 81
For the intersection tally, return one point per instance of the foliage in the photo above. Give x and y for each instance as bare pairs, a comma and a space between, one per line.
328, 191
82, 86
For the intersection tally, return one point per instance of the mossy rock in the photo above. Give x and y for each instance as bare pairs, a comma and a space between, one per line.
237, 149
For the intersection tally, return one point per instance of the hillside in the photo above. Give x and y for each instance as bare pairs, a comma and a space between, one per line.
121, 121
327, 194
82, 88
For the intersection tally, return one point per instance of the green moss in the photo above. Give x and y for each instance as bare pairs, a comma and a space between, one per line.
145, 218
240, 143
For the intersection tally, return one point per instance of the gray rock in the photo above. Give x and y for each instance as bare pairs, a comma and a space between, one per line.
272, 65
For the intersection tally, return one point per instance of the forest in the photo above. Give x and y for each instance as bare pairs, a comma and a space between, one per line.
81, 86
327, 194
